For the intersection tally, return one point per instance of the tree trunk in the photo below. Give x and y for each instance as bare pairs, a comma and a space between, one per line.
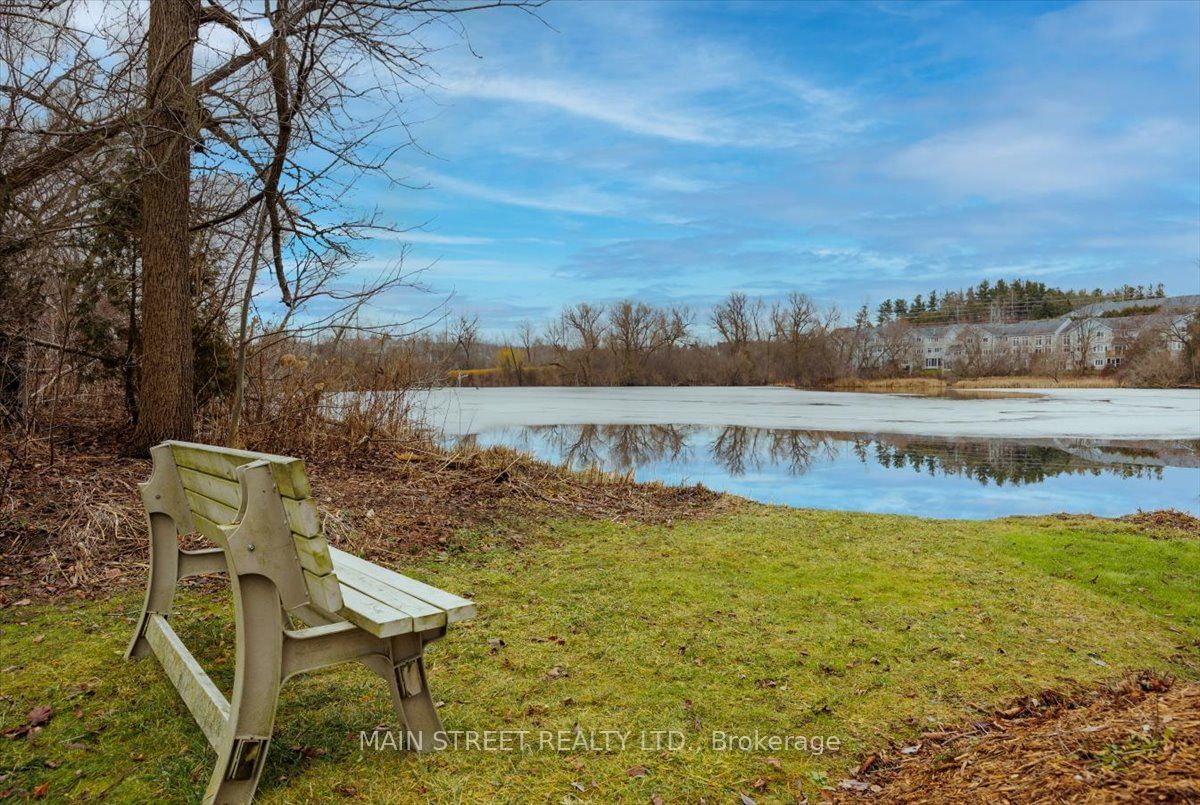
165, 399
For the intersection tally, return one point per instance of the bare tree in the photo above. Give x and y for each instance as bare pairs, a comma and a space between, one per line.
738, 321
527, 338
635, 332
581, 331
465, 334
802, 331
234, 133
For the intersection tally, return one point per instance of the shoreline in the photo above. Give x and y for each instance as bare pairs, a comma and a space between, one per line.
1108, 413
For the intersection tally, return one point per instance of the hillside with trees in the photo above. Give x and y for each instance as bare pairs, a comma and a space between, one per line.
1003, 301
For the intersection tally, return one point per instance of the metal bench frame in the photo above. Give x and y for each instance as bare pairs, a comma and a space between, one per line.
268, 583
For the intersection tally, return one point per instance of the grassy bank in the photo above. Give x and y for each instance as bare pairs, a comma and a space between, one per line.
938, 385
865, 628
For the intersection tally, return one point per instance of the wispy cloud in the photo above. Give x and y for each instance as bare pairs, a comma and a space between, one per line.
1032, 157
581, 199
609, 106
421, 236
681, 150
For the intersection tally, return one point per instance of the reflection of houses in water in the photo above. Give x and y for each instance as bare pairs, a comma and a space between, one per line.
738, 450
1007, 461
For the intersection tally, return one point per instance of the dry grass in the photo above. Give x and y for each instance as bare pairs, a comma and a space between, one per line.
1135, 741
937, 386
911, 385
1032, 382
74, 524
1171, 521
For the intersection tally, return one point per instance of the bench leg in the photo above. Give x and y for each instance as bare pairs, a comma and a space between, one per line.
160, 586
404, 671
242, 750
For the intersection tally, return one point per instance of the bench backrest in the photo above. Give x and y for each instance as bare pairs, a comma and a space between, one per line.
212, 486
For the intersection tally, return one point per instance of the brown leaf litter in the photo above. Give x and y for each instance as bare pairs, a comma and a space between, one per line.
1137, 740
1168, 519
72, 523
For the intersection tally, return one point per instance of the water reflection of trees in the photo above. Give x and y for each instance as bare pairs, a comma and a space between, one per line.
738, 450
991, 461
616, 447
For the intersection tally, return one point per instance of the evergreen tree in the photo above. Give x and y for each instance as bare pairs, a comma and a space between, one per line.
862, 319
885, 312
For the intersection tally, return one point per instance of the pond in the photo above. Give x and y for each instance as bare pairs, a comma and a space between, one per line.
1100, 451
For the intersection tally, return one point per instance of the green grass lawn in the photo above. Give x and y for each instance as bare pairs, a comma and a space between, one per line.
859, 628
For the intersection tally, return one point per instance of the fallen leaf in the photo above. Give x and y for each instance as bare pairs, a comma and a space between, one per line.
773, 762
39, 715
745, 800
854, 785
41, 791
637, 771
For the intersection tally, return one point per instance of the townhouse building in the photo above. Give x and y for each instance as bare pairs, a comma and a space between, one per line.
1093, 337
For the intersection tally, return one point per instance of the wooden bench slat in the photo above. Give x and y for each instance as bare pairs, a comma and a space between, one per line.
456, 608
207, 704
323, 591
374, 616
208, 528
424, 615
303, 516
314, 554
223, 462
377, 599
212, 510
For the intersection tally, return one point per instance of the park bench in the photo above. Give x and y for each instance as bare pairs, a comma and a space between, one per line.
299, 605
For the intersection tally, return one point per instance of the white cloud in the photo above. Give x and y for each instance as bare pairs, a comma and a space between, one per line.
421, 236
606, 105
1040, 156
580, 200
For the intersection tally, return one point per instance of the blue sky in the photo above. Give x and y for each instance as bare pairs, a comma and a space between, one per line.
674, 152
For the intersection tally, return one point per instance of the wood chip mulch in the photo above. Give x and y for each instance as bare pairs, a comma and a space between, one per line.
1137, 740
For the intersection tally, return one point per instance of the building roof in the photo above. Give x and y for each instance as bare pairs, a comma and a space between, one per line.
1166, 303
933, 330
1138, 322
1031, 327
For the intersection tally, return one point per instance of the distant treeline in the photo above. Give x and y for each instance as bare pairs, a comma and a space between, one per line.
1005, 301
743, 340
